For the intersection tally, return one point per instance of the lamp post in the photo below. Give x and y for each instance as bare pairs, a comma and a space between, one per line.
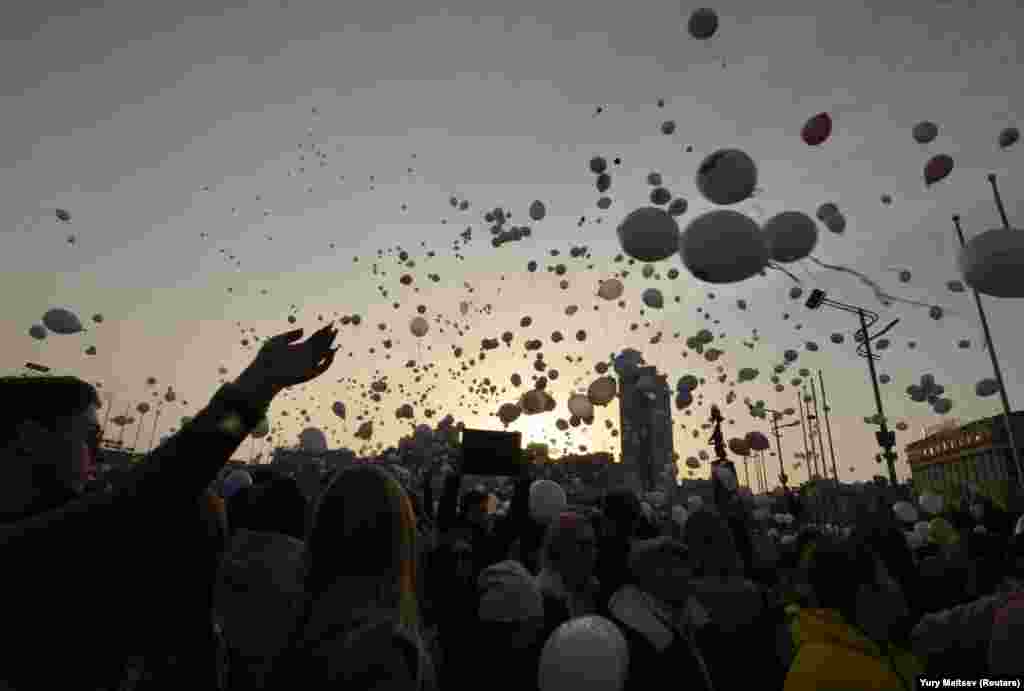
808, 460
886, 439
821, 438
777, 433
828, 427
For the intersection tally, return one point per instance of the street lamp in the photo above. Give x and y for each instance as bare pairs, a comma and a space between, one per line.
777, 432
886, 439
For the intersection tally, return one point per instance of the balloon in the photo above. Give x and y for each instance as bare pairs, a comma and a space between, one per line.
649, 234
589, 653
610, 289
533, 402
62, 321
537, 210
339, 409
757, 441
955, 286
748, 374
836, 224
580, 406
723, 247
937, 168
1008, 137
509, 413
727, 176
365, 431
817, 129
826, 211
648, 270
905, 511
942, 406
653, 299
313, 440
790, 236
925, 132
986, 387
143, 408
837, 338
547, 500
677, 207
37, 331
602, 391
930, 503
98, 318
692, 462
236, 480
740, 447
419, 327
990, 262
703, 23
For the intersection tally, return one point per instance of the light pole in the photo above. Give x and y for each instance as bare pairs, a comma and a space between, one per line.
777, 433
886, 439
828, 427
808, 460
821, 439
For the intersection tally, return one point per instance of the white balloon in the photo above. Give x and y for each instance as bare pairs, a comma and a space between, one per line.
652, 298
62, 321
727, 176
723, 246
991, 262
587, 653
649, 234
790, 236
547, 500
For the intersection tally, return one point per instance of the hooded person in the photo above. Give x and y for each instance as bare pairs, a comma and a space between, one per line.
566, 579
667, 630
359, 626
508, 633
845, 640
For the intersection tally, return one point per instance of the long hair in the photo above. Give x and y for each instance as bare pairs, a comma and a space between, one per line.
363, 532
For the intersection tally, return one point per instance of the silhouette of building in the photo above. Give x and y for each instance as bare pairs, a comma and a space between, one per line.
645, 411
979, 452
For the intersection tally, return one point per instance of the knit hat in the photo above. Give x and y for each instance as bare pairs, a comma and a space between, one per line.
508, 594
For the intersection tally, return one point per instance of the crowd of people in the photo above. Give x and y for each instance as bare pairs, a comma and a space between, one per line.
169, 579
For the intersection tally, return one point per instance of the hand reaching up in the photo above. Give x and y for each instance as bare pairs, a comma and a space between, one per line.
282, 362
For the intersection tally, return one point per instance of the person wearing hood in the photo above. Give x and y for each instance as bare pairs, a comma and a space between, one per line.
359, 626
845, 639
53, 538
566, 578
667, 631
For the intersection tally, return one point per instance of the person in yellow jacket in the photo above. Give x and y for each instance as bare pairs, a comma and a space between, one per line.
843, 642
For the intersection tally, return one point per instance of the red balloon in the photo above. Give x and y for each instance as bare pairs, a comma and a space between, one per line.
817, 129
937, 168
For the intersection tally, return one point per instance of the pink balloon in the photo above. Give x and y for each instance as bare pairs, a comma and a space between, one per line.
937, 168
817, 129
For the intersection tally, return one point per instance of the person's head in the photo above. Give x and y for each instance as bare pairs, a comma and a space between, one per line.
363, 533
661, 568
851, 578
570, 549
474, 507
511, 610
713, 551
276, 505
50, 438
622, 514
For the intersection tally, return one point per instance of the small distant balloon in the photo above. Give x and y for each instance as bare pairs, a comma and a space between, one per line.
63, 216
37, 331
817, 129
925, 132
728, 176
1008, 137
937, 169
703, 23
537, 210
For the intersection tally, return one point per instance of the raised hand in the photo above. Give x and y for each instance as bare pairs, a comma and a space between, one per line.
282, 362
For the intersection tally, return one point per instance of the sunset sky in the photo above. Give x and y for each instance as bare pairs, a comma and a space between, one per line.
172, 133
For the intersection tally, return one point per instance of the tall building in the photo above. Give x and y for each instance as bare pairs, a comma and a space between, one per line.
645, 411
978, 452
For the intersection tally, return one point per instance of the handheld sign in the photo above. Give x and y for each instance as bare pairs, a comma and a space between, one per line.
485, 452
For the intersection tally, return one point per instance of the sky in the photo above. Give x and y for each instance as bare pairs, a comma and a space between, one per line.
225, 164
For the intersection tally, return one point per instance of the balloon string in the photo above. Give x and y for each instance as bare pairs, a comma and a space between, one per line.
883, 297
773, 265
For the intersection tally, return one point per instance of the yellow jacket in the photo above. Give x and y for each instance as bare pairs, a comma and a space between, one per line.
831, 655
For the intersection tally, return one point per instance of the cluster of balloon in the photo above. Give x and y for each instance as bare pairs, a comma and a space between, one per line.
929, 391
829, 214
649, 234
703, 23
790, 236
723, 246
817, 129
587, 653
990, 262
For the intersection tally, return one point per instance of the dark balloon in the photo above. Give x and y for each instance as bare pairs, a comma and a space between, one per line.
703, 23
817, 129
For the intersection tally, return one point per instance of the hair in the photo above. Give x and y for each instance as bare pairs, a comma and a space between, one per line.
363, 528
276, 505
837, 570
43, 400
